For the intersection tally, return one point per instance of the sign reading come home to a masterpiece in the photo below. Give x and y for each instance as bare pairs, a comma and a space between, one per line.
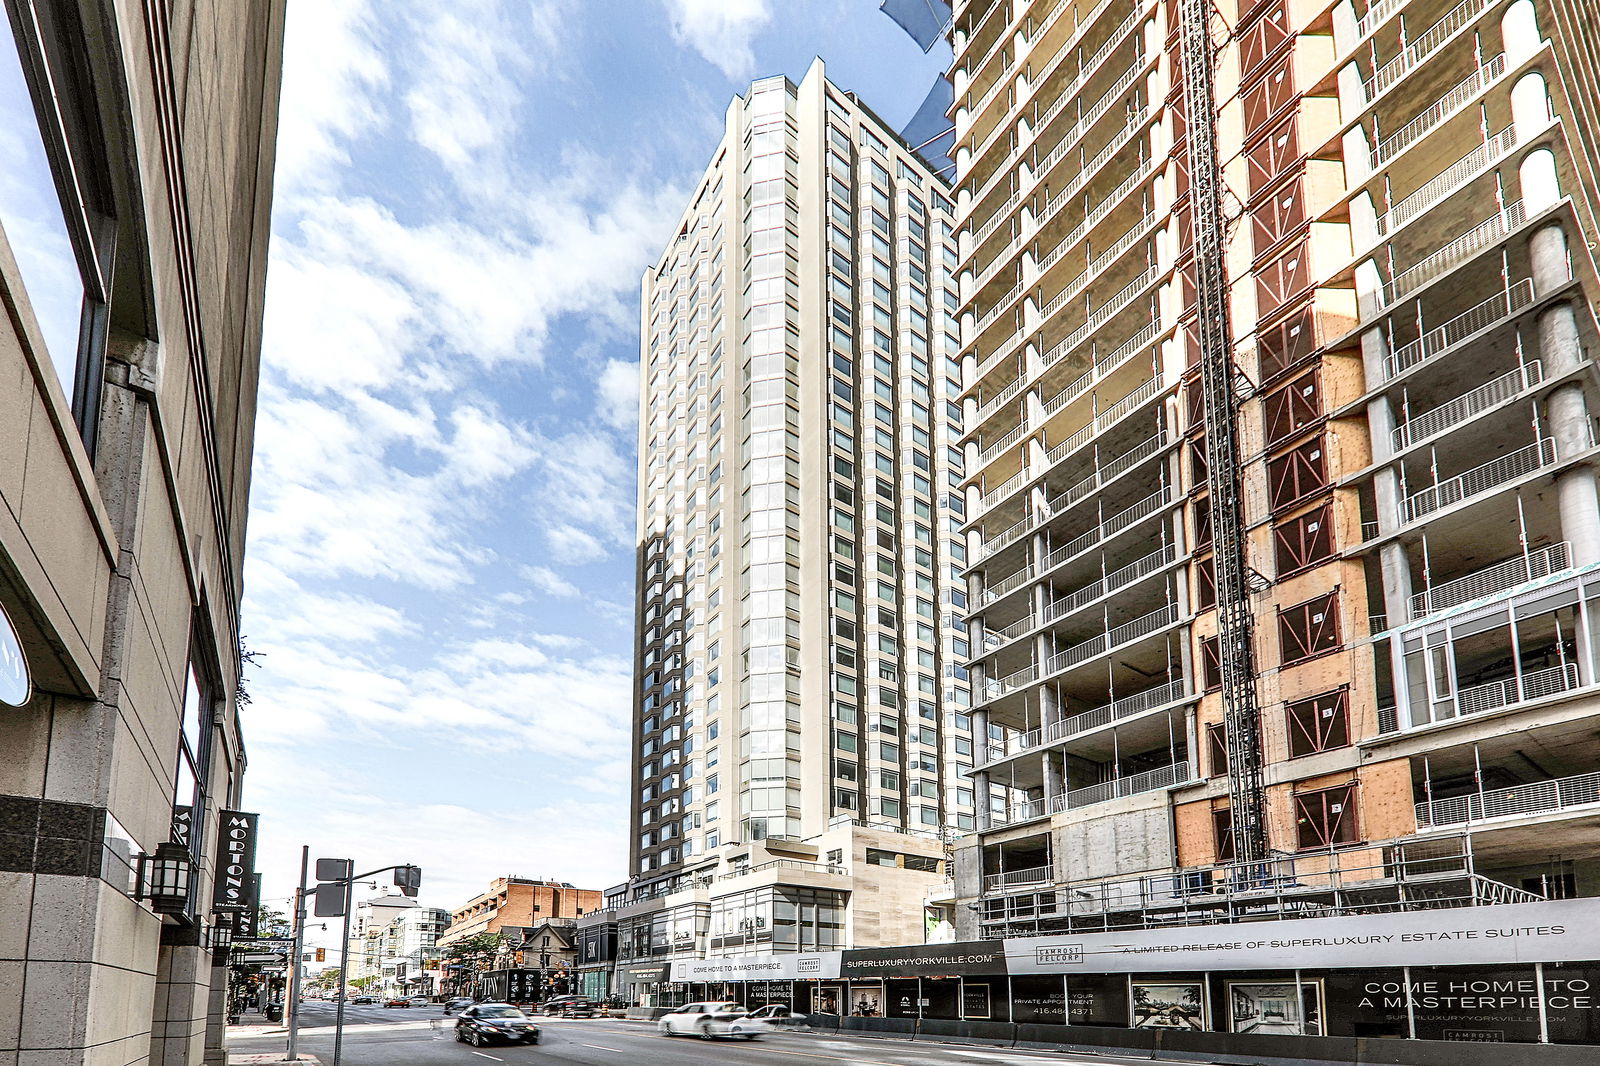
14, 684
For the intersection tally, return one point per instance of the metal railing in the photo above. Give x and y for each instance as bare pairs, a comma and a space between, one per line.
1467, 405
1103, 421
1492, 580
1454, 97
1101, 366
1438, 188
994, 450
1377, 11
1035, 875
1474, 320
1150, 781
783, 864
1106, 472
1531, 686
1496, 472
1115, 711
1423, 45
1025, 811
1140, 627
1388, 719
1463, 247
1381, 876
1536, 797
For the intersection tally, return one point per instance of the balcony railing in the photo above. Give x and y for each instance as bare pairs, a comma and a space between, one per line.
1440, 186
1424, 44
1107, 471
1150, 781
1467, 405
1492, 580
1559, 794
1035, 875
1474, 320
1496, 472
1455, 97
1523, 687
1457, 251
1116, 711
1019, 812
1101, 642
1104, 420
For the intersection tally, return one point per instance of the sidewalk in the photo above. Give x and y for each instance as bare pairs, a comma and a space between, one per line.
274, 1059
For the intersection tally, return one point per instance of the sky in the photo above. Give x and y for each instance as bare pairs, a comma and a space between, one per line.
440, 564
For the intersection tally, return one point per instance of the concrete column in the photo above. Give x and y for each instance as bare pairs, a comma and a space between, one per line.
980, 797
1547, 253
1386, 487
1053, 779
1567, 415
1396, 583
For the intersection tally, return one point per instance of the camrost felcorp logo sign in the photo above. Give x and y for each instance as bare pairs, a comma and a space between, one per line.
15, 687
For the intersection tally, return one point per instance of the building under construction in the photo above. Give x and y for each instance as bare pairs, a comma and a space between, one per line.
1283, 533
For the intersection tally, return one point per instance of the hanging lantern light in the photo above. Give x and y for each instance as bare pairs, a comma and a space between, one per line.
165, 876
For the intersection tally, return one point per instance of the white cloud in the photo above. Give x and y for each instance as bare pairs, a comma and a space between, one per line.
548, 581
333, 77
721, 31
618, 390
586, 499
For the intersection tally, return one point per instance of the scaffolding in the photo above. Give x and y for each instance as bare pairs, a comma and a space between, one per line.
1221, 387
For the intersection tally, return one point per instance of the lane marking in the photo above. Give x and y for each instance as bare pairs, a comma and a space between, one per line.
600, 1047
482, 1055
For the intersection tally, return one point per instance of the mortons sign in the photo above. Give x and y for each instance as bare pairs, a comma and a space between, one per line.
236, 862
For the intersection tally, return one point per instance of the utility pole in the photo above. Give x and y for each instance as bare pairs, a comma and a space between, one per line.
293, 1003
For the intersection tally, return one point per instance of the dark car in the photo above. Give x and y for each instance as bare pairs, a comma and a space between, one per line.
458, 1003
558, 1004
578, 1008
490, 1023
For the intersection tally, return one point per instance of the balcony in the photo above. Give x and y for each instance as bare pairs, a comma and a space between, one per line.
1097, 645
1534, 685
1017, 813
1468, 405
1102, 530
1424, 45
1492, 580
1414, 873
1539, 797
1451, 255
1447, 181
1498, 471
1162, 777
1084, 721
1471, 322
1455, 98
1037, 875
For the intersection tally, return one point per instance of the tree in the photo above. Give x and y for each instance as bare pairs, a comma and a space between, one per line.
272, 923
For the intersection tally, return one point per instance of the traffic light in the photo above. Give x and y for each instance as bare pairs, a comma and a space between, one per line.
322, 954
408, 879
519, 958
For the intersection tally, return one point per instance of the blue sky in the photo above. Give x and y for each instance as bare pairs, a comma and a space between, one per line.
440, 564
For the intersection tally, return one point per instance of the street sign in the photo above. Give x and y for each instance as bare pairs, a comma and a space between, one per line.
334, 869
331, 901
265, 943
276, 958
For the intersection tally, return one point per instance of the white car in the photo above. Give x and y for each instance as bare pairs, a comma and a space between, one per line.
711, 1020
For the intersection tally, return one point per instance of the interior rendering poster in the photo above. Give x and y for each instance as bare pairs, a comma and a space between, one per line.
1168, 1006
1276, 1008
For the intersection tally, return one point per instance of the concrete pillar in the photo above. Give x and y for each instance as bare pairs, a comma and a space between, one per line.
1396, 583
1580, 514
1551, 263
1344, 26
1567, 412
1053, 779
1386, 487
980, 793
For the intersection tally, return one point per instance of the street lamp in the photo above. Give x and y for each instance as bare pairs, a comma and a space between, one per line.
220, 937
164, 878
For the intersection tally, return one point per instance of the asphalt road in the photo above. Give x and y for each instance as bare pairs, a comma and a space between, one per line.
423, 1036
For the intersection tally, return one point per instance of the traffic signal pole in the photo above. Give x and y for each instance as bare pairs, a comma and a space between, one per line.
292, 1005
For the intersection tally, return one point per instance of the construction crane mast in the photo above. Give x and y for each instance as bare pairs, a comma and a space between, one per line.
1222, 386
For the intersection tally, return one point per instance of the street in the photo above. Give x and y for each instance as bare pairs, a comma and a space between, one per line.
379, 1036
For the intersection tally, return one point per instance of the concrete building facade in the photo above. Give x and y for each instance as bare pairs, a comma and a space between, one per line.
1283, 527
131, 277
801, 707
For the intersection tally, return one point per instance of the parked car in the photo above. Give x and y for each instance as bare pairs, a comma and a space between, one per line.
711, 1020
420, 1001
361, 1000
557, 1004
488, 1023
458, 1003
397, 1001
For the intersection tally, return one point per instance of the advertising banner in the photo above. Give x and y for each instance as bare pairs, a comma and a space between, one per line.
236, 862
1550, 931
758, 967
926, 960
